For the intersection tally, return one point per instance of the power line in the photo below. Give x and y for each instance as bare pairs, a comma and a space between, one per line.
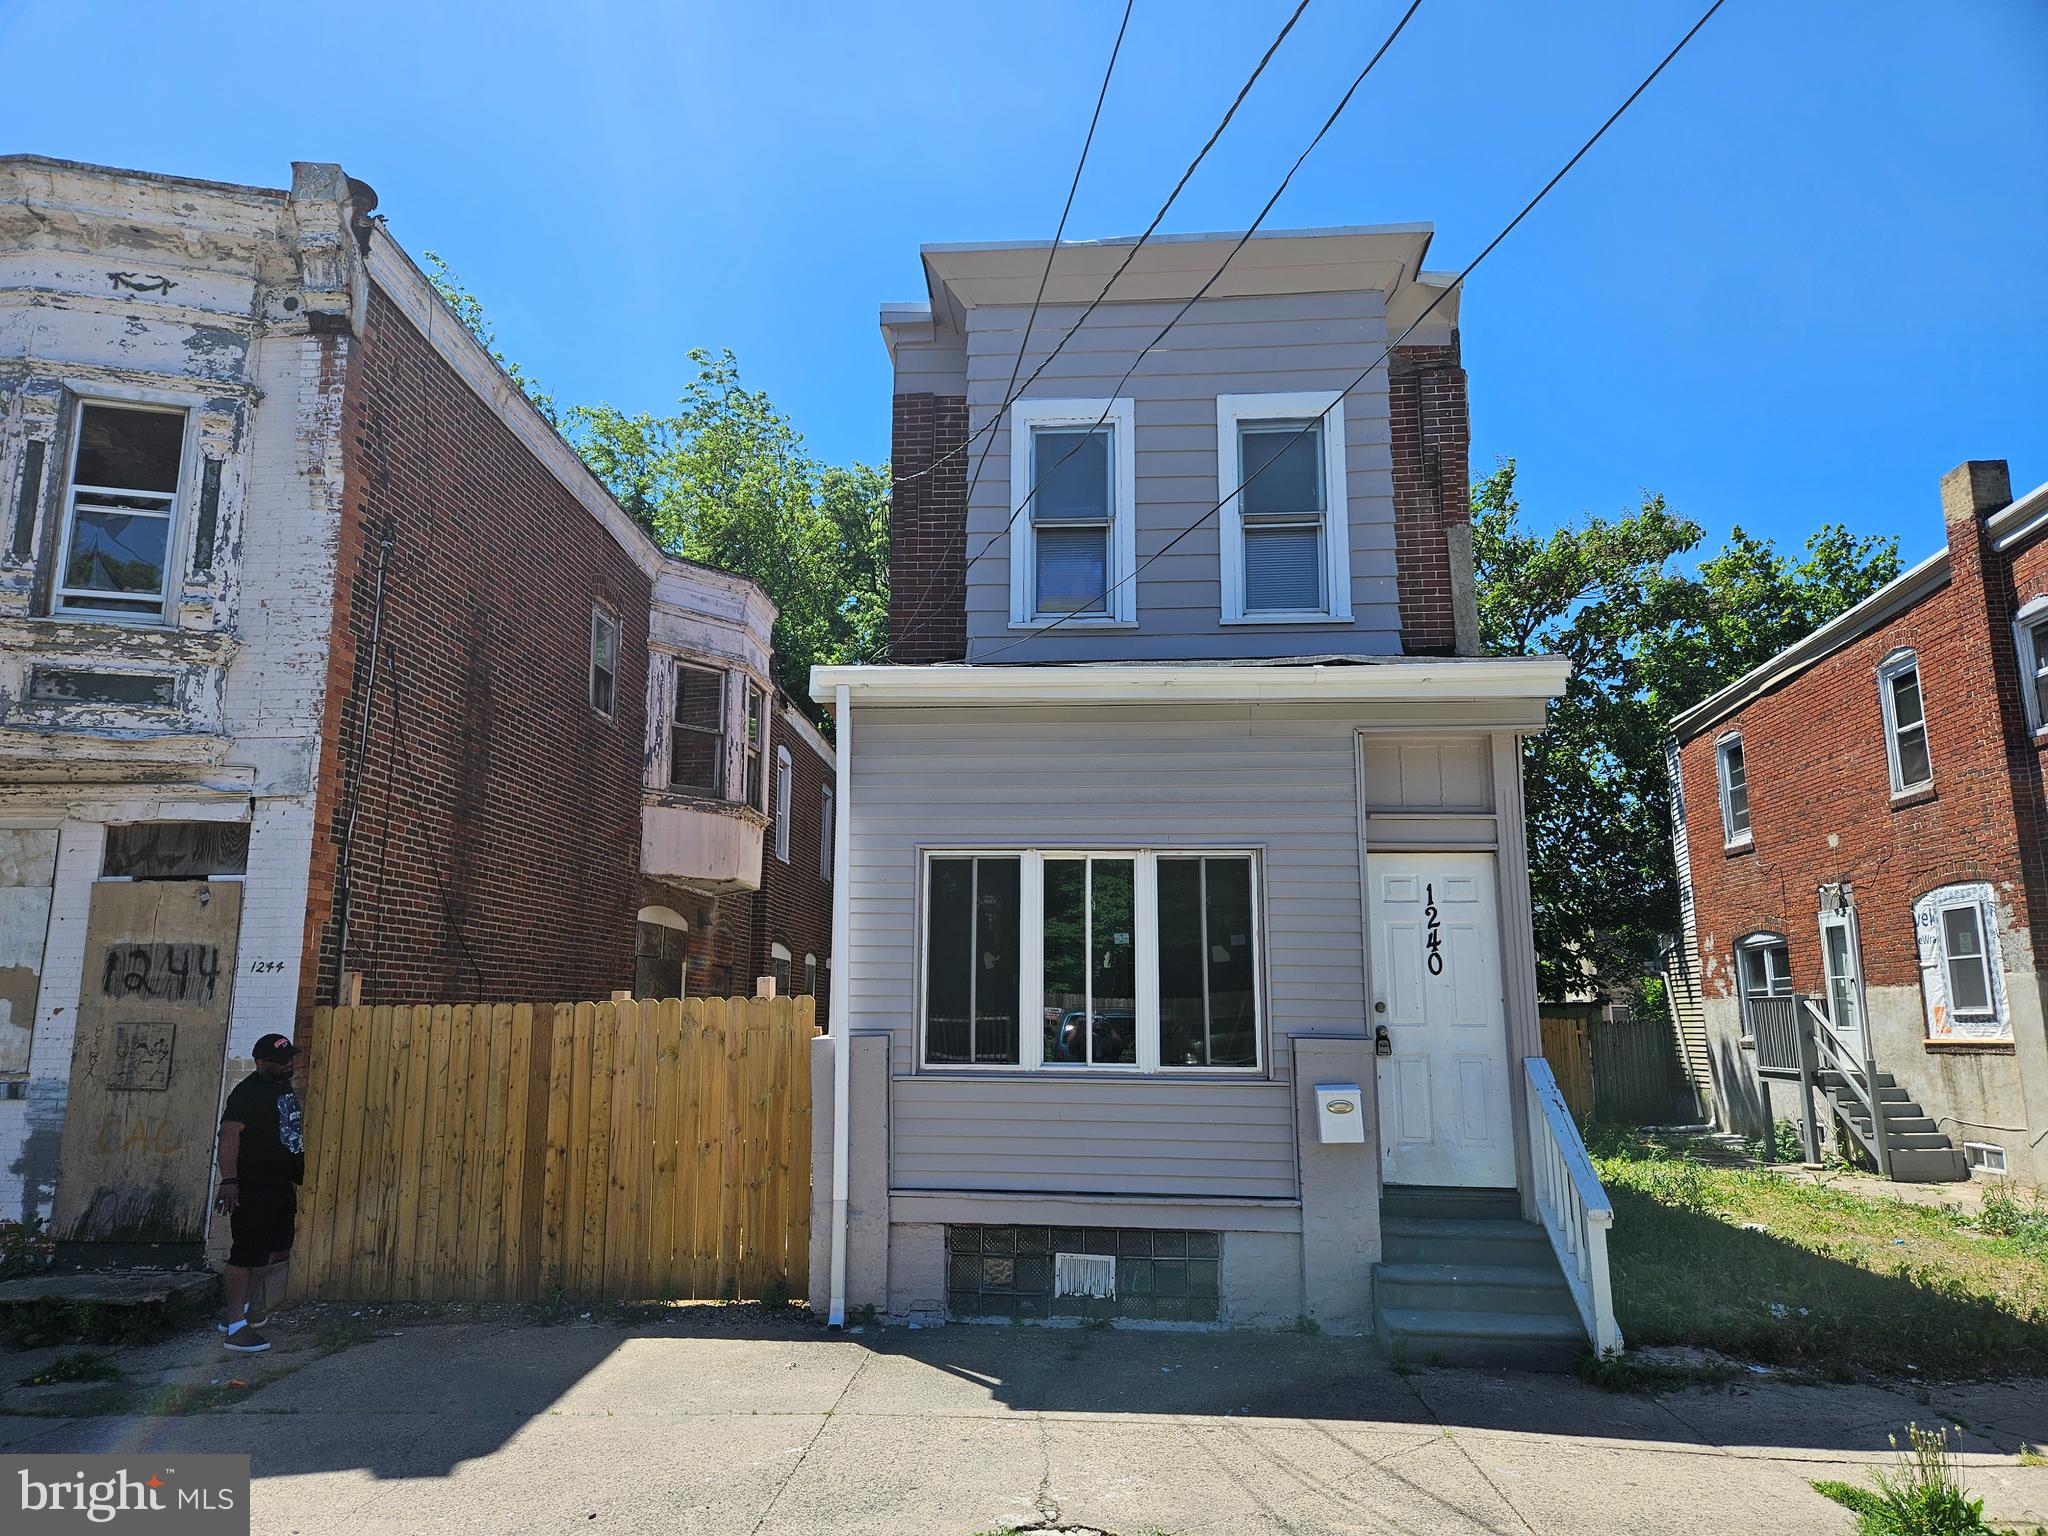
1024, 342
1385, 352
1180, 314
1129, 256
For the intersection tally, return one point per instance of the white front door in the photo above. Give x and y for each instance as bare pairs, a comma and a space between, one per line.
1844, 976
1443, 1093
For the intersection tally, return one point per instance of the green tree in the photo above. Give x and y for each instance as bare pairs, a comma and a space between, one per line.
726, 480
1647, 640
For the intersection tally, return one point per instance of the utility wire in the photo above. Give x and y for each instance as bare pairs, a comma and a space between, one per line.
1452, 287
1129, 256
1181, 313
1024, 342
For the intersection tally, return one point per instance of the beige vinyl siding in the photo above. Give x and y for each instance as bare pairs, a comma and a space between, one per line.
1224, 346
1277, 780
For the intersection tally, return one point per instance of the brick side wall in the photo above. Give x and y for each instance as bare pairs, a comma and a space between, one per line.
498, 817
928, 530
1820, 791
794, 905
1432, 439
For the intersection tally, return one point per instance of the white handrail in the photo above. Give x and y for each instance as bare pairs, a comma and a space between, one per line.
1572, 1203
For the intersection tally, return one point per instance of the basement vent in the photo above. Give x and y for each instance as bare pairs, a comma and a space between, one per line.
1984, 1156
81, 685
1084, 1274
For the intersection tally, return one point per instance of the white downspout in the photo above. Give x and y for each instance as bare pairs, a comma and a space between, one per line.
842, 957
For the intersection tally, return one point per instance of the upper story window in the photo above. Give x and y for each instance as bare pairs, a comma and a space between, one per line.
785, 775
828, 811
2031, 631
1905, 722
696, 758
1734, 776
1283, 527
121, 511
1129, 961
604, 662
1073, 546
757, 728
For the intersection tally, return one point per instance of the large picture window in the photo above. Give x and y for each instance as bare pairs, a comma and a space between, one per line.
121, 511
1113, 960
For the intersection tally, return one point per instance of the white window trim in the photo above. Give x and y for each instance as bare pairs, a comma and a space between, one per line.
1893, 666
1986, 958
785, 772
65, 606
1231, 411
2031, 659
1730, 838
1119, 414
1851, 931
1761, 940
601, 615
1031, 962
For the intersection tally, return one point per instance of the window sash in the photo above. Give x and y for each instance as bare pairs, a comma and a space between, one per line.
1764, 970
1734, 773
1905, 715
828, 815
697, 734
784, 774
751, 769
1032, 1052
2036, 632
1973, 963
604, 662
151, 505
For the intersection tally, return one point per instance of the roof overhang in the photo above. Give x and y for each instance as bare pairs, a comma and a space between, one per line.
1170, 268
2010, 525
1393, 680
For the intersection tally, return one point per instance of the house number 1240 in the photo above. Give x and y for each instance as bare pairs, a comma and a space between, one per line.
1436, 938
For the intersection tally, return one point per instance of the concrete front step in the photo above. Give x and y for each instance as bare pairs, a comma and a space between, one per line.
1429, 1335
1416, 1240
1527, 1288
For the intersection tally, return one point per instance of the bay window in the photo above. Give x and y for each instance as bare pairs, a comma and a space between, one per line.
1091, 961
1072, 483
696, 759
1283, 508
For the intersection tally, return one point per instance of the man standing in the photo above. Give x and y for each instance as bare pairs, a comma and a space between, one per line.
262, 1163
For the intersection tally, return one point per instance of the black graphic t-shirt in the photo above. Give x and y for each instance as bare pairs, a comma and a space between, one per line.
273, 1130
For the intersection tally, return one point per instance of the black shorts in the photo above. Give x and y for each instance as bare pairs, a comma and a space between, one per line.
262, 1222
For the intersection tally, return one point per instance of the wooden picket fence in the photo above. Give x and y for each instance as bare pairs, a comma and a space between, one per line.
497, 1151
1628, 1072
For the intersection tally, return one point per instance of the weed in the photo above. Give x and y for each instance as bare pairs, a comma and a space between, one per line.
84, 1365
863, 1316
2033, 1456
1626, 1373
777, 1296
2004, 1216
1921, 1496
25, 1248
554, 1306
61, 1320
1784, 1145
344, 1333
1306, 1325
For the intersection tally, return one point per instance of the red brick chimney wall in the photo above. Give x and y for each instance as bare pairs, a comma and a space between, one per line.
1432, 441
928, 529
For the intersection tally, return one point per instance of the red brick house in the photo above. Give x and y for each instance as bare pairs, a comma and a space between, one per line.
1861, 821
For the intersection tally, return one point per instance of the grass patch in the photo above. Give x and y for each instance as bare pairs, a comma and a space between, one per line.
1625, 1373
344, 1333
1921, 1496
1753, 1265
83, 1365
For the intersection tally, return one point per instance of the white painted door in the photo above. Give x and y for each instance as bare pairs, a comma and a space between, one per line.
1443, 1093
1844, 977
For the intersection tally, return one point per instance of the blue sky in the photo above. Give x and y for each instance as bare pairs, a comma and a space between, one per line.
1801, 278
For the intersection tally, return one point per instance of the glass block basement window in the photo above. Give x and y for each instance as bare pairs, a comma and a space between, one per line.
1007, 1272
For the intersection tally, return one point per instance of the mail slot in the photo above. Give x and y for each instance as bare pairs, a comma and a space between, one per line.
1340, 1112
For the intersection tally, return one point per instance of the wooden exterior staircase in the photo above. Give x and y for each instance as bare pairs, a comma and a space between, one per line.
1796, 1041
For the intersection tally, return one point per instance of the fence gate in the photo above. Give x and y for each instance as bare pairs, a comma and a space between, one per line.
495, 1151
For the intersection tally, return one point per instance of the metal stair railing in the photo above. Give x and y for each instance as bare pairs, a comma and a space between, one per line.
1856, 1070
1571, 1203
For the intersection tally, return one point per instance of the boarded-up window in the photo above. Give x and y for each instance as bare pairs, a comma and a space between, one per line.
176, 850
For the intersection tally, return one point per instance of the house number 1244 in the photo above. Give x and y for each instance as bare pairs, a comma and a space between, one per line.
1436, 937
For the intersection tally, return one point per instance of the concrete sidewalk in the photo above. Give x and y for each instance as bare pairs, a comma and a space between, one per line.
511, 1427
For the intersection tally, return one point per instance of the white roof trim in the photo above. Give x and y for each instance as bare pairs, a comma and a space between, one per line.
410, 289
2022, 520
1403, 680
794, 719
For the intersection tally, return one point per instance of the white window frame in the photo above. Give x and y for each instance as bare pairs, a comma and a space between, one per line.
785, 980
718, 791
810, 975
1761, 942
753, 744
602, 619
1852, 949
1031, 961
828, 815
1894, 666
1233, 411
78, 602
2033, 660
1119, 415
1730, 837
785, 772
1985, 957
